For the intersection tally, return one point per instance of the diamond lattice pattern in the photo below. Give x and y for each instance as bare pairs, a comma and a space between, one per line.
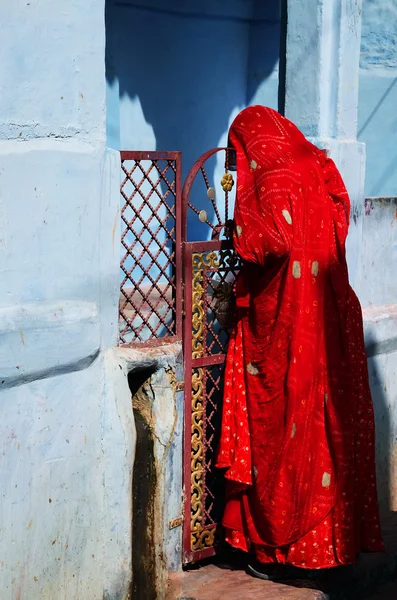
148, 265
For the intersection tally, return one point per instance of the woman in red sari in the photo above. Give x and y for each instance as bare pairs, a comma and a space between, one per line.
297, 436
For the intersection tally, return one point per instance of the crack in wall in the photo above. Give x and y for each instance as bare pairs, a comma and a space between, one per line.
155, 435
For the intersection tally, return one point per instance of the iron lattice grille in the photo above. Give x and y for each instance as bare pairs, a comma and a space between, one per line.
219, 302
212, 271
214, 486
150, 262
219, 313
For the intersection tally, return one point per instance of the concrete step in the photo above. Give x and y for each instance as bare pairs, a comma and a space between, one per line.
215, 583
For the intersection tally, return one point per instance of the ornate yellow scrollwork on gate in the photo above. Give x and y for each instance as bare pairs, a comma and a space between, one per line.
200, 262
200, 538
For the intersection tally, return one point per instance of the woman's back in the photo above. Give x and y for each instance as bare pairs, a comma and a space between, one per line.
290, 432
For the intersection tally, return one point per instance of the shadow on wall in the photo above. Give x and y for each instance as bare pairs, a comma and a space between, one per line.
143, 493
176, 77
386, 452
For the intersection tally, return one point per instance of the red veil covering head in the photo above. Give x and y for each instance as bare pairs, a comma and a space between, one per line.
297, 437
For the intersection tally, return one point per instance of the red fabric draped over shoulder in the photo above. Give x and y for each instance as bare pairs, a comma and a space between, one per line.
295, 379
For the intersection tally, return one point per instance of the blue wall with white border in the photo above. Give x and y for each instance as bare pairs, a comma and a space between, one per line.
378, 95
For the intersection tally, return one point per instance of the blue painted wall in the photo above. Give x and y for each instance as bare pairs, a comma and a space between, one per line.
378, 95
67, 438
175, 78
178, 75
264, 55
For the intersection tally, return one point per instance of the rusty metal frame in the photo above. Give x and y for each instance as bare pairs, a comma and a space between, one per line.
202, 536
136, 302
194, 269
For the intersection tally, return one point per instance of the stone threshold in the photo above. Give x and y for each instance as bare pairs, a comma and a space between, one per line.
228, 580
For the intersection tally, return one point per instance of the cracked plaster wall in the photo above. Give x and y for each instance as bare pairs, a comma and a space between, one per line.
160, 405
66, 423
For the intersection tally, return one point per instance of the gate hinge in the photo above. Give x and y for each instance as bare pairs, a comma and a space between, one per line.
180, 386
174, 523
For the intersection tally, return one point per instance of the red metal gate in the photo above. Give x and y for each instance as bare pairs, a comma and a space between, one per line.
150, 309
210, 267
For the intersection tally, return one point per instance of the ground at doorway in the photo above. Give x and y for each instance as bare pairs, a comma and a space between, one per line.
215, 583
373, 577
386, 592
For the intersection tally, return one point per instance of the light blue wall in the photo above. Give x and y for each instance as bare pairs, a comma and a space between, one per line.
378, 95
321, 94
181, 73
263, 70
177, 76
67, 437
377, 127
324, 87
175, 79
379, 297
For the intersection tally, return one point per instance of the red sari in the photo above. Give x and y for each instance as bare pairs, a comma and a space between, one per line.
297, 436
